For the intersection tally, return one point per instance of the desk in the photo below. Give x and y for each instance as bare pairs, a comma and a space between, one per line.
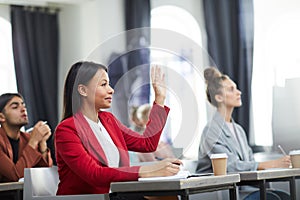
259, 178
182, 187
11, 186
15, 188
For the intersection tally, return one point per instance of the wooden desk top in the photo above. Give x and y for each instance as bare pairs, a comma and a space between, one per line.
11, 186
189, 183
269, 174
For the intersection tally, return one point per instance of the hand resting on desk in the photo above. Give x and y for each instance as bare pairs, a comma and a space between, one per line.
166, 167
283, 162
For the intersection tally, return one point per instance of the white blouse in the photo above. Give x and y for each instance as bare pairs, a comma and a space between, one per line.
231, 128
104, 139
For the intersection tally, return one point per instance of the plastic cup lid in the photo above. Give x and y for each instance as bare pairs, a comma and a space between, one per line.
295, 152
218, 155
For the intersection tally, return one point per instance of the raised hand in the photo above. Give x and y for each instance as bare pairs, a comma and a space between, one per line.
158, 84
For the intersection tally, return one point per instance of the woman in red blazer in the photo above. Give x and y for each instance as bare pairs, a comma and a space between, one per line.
92, 145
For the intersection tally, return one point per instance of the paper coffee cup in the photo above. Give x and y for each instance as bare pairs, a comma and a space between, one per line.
219, 163
295, 158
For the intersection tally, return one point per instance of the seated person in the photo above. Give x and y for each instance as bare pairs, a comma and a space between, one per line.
139, 118
223, 135
92, 144
19, 150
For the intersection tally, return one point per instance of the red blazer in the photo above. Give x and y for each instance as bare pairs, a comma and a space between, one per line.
28, 157
82, 164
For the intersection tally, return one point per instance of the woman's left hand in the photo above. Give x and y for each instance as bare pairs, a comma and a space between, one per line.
158, 84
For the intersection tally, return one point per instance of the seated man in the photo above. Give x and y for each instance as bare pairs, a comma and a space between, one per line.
19, 150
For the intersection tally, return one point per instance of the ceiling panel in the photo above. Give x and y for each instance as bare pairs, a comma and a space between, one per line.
42, 2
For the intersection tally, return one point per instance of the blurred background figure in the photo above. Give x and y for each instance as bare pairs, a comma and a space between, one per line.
139, 116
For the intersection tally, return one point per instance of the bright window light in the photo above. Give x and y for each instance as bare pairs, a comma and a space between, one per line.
178, 20
7, 70
276, 59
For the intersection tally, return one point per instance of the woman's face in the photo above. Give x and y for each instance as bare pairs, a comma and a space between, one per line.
231, 96
99, 90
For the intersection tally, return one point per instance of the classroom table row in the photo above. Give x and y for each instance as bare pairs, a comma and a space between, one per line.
11, 190
194, 185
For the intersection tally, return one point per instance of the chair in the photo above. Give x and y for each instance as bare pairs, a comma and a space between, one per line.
42, 183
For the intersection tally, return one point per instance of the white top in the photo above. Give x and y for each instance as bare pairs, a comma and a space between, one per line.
231, 128
104, 139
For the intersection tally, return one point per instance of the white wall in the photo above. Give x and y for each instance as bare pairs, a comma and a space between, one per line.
5, 12
85, 27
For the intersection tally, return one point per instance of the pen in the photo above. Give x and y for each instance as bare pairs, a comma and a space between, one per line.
281, 149
30, 129
158, 158
199, 175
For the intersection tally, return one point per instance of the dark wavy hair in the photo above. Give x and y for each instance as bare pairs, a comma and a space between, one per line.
6, 97
80, 73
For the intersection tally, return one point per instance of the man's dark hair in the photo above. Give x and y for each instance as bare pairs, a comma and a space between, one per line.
5, 98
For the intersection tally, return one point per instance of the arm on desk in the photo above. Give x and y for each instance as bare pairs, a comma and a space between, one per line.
283, 162
166, 167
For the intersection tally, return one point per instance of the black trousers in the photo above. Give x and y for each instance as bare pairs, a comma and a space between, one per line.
126, 197
10, 195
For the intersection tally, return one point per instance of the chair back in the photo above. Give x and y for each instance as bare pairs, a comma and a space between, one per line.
42, 183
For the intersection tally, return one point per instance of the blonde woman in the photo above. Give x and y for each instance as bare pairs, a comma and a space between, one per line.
223, 135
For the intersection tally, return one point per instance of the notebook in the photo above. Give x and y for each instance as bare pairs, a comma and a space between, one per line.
180, 175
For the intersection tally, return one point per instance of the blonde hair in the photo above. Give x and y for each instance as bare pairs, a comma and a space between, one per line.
143, 112
213, 78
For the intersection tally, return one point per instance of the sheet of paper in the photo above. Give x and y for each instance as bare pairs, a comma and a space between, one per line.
179, 175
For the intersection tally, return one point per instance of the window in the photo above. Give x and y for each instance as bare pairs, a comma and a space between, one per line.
7, 70
276, 61
186, 93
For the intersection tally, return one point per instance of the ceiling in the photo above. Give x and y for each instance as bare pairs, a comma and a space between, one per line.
41, 2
